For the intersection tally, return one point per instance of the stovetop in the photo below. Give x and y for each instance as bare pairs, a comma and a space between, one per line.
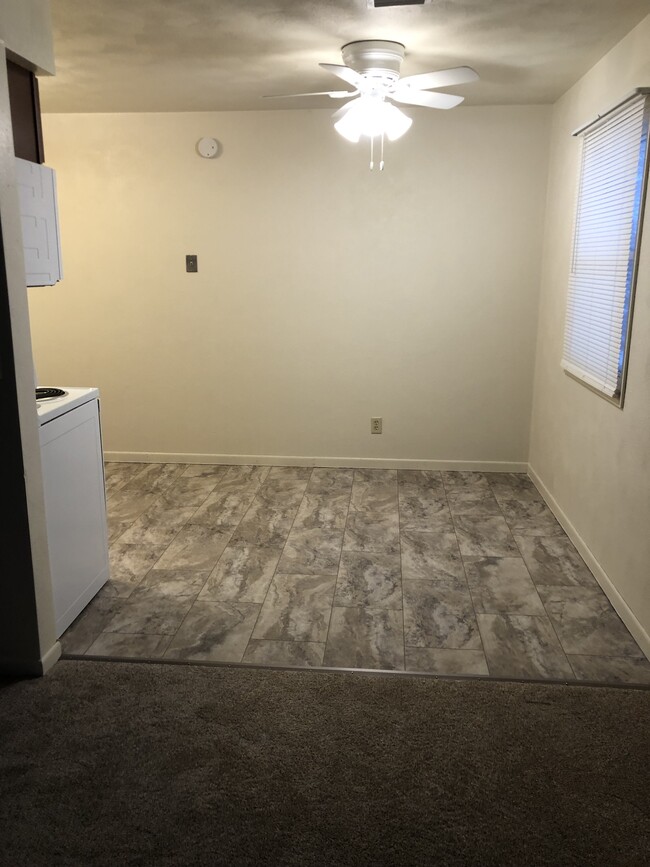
45, 393
52, 407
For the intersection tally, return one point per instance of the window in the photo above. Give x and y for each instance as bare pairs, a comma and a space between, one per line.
607, 234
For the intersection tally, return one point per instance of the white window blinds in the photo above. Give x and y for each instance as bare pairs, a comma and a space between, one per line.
605, 247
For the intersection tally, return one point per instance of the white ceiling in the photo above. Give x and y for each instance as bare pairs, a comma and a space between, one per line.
207, 55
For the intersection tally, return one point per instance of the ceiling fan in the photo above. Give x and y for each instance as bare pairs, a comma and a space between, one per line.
372, 68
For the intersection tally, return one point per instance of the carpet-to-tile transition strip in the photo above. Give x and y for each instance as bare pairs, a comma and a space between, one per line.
133, 660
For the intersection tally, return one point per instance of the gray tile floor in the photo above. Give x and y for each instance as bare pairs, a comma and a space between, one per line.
442, 572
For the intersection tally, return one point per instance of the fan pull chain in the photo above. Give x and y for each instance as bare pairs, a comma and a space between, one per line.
381, 153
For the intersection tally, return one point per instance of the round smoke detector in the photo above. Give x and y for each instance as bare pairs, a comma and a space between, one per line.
374, 57
208, 148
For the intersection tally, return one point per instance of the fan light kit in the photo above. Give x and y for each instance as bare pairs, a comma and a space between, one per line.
372, 67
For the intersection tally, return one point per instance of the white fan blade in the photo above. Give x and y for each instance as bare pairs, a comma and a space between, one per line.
443, 78
344, 109
334, 94
343, 72
426, 99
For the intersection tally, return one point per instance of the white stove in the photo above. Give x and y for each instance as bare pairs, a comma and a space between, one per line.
52, 407
75, 500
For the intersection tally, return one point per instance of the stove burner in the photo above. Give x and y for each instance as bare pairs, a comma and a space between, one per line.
49, 393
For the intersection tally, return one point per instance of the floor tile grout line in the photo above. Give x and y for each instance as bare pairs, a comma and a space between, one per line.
471, 599
123, 487
641, 656
401, 575
212, 492
548, 617
266, 475
175, 633
469, 589
354, 477
487, 661
246, 511
108, 497
555, 632
234, 529
184, 618
345, 526
478, 623
532, 580
522, 559
151, 505
275, 571
243, 517
284, 641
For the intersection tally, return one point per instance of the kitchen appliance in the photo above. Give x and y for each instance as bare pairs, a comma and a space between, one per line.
75, 499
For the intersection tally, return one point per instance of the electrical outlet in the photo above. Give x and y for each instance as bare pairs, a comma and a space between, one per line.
375, 425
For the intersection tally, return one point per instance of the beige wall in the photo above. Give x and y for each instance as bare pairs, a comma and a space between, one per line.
326, 294
592, 458
26, 30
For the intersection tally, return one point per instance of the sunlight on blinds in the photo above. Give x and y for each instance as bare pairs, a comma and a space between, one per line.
605, 247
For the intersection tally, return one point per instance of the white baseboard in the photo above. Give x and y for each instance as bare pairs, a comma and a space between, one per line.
303, 461
52, 656
624, 611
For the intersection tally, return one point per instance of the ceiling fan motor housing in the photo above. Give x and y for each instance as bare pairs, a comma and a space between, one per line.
374, 58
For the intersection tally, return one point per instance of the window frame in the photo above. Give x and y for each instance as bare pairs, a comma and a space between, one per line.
640, 94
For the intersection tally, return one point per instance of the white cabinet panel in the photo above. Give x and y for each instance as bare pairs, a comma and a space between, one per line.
40, 223
75, 509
